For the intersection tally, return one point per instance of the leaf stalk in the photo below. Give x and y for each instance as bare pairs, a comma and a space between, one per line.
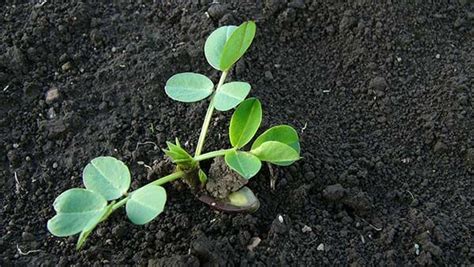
213, 154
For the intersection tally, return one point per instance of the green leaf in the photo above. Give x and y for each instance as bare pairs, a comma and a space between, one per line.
214, 45
188, 87
76, 209
282, 133
202, 176
145, 204
107, 176
237, 44
276, 153
244, 163
229, 95
245, 122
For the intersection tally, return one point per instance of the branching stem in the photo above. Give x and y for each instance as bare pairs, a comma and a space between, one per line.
168, 178
123, 201
207, 118
213, 154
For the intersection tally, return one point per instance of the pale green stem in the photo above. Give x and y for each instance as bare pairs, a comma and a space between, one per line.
167, 179
207, 118
213, 154
120, 203
123, 201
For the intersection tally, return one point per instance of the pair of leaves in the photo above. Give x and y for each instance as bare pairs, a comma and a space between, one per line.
79, 210
222, 49
278, 145
228, 44
245, 123
191, 87
248, 164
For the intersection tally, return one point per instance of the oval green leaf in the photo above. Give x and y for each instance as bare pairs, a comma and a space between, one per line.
245, 122
188, 87
244, 163
145, 204
229, 95
215, 43
76, 209
107, 176
237, 44
276, 153
282, 133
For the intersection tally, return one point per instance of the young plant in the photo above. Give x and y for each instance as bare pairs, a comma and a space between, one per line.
107, 180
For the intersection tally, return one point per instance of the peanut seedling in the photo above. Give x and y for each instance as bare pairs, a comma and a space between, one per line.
107, 180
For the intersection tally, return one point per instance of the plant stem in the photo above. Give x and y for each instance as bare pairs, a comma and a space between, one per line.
120, 203
207, 118
167, 178
213, 154
123, 201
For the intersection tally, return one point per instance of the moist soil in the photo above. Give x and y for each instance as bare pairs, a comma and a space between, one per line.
380, 93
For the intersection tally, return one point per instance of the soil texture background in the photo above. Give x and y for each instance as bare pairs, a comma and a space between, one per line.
380, 93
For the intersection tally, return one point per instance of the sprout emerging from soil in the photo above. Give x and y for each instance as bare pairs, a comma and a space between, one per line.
107, 180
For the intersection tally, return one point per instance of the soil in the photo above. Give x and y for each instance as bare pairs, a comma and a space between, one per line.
222, 180
381, 95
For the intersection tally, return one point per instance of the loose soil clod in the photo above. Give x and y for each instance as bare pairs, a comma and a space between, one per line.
222, 180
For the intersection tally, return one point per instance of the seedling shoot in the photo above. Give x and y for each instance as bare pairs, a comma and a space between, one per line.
107, 180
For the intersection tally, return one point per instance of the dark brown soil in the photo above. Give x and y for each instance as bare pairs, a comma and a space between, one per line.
222, 180
380, 93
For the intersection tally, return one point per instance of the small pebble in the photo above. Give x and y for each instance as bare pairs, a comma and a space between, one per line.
55, 165
52, 95
217, 11
51, 114
320, 247
437, 56
306, 229
66, 66
254, 243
